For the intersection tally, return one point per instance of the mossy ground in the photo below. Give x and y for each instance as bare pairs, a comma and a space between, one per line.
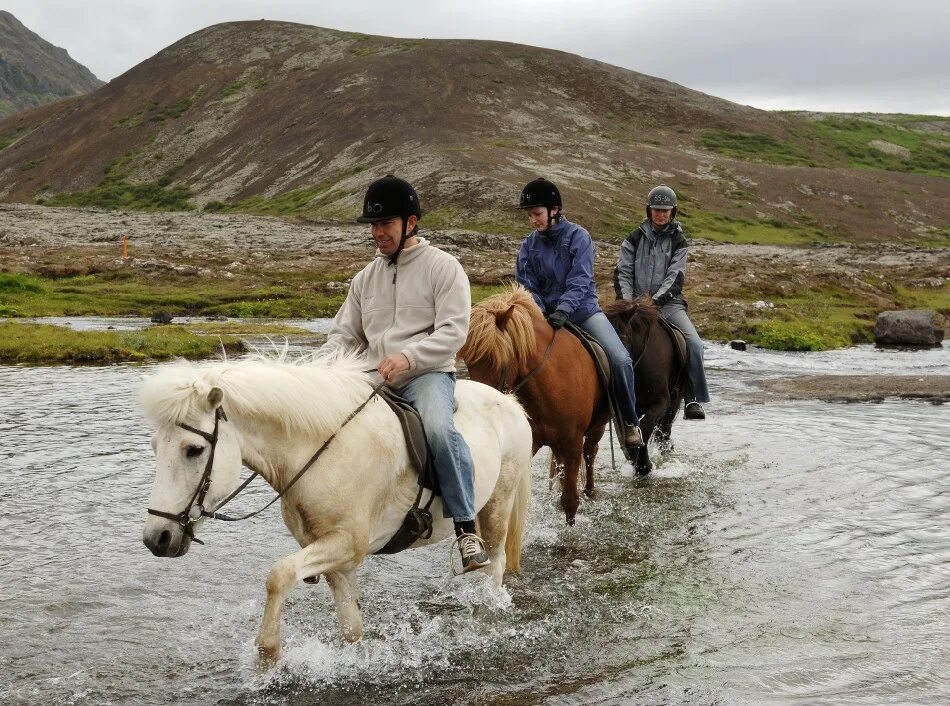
129, 292
836, 141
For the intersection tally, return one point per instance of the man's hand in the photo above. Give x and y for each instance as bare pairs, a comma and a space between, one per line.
392, 365
557, 319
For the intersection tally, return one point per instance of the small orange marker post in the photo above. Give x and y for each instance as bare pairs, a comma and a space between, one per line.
125, 246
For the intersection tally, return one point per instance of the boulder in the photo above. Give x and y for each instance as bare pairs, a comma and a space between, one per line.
737, 345
907, 328
161, 317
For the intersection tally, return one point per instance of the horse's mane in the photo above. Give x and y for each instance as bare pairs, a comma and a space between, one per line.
625, 310
501, 329
309, 395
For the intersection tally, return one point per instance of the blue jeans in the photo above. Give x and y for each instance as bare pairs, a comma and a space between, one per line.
620, 364
675, 313
433, 396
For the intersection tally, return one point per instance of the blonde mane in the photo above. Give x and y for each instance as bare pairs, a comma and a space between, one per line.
310, 395
501, 329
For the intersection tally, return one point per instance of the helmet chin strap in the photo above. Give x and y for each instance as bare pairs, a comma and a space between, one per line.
402, 243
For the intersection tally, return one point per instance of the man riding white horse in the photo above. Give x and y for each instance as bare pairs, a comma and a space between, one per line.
408, 312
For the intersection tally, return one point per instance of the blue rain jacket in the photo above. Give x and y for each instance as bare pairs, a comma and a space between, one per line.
557, 267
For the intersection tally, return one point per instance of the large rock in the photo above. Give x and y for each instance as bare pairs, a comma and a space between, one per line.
907, 328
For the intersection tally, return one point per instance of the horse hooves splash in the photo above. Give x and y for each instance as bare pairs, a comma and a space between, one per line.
644, 470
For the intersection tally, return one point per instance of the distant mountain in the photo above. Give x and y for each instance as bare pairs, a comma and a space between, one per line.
283, 118
34, 72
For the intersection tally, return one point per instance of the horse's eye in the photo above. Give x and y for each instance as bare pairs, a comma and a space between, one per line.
194, 451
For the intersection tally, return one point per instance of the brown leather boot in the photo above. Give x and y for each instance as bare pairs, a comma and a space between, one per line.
632, 438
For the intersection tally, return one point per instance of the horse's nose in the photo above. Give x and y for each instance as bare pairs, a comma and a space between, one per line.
158, 542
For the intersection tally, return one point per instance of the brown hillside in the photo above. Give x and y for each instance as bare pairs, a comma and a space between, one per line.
260, 109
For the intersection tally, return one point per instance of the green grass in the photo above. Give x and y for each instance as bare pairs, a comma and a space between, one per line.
731, 229
41, 343
5, 142
127, 293
500, 222
320, 201
756, 148
117, 192
841, 141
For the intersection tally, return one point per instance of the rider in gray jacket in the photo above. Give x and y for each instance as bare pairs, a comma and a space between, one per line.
653, 262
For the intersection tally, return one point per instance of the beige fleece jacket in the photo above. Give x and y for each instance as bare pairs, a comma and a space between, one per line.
419, 307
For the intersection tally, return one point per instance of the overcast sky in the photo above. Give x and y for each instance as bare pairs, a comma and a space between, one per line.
842, 55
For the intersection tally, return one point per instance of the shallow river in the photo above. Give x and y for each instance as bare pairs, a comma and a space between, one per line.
794, 552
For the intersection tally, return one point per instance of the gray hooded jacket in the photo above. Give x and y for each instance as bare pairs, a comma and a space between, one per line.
652, 262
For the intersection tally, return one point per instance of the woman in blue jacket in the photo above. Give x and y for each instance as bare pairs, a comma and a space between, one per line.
556, 264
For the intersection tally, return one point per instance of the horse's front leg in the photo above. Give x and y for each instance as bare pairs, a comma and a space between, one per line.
334, 552
649, 422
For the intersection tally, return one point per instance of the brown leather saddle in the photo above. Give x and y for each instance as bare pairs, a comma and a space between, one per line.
418, 521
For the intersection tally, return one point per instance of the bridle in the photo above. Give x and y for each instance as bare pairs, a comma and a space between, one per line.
195, 509
502, 380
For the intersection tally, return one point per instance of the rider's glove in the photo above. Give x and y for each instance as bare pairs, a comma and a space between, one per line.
557, 319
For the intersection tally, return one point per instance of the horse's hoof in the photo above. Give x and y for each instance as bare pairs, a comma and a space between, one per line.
268, 656
570, 521
644, 470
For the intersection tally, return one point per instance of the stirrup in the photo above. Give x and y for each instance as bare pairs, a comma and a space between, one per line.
474, 564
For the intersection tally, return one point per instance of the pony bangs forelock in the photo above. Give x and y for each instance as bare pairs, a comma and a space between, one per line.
487, 341
169, 396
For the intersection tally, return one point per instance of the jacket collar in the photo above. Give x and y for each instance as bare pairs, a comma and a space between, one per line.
408, 254
554, 233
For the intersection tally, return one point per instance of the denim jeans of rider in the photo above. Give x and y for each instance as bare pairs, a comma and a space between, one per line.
433, 396
675, 313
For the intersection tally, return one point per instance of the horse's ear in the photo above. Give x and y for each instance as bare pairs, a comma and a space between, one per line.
501, 320
215, 396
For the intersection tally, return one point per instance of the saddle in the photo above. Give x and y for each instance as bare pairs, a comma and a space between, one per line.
679, 341
604, 373
418, 521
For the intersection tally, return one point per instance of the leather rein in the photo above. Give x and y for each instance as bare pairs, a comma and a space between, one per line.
502, 382
195, 509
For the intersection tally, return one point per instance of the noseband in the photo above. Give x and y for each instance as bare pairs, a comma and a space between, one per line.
195, 509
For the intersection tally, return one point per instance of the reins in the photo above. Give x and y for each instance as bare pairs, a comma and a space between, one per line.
195, 509
504, 371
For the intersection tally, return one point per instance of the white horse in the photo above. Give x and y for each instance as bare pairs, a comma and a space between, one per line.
354, 497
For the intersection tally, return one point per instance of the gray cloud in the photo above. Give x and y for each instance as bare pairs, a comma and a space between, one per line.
853, 55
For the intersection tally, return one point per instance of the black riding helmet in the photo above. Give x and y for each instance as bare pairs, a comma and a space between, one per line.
387, 198
541, 192
662, 198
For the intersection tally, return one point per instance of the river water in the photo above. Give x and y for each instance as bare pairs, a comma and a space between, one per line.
792, 552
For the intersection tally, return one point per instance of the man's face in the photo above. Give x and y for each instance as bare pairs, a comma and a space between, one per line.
538, 218
387, 235
660, 216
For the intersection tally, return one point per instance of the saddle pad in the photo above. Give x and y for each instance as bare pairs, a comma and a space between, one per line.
597, 352
679, 341
415, 435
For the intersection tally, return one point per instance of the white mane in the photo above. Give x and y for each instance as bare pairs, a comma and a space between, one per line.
309, 395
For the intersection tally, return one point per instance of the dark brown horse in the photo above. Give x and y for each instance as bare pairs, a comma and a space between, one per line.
510, 346
658, 371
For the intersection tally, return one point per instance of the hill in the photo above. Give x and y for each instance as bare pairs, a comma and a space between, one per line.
287, 119
34, 72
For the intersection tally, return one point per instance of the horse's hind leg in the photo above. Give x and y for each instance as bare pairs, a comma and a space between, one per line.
591, 443
331, 553
346, 595
569, 458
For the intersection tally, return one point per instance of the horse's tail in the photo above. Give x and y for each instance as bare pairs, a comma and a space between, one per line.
520, 508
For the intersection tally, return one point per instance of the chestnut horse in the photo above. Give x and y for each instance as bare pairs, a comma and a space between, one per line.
659, 373
511, 347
